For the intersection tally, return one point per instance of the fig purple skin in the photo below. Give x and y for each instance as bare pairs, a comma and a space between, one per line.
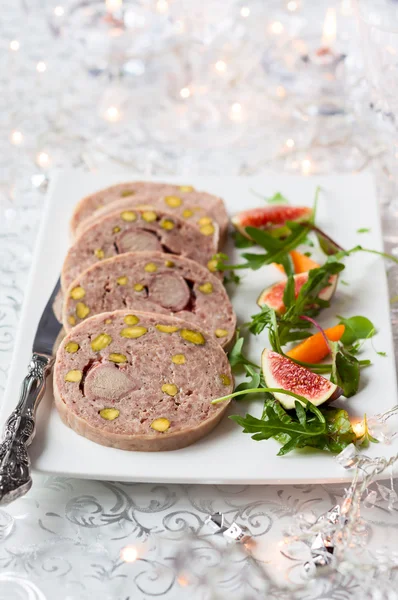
281, 372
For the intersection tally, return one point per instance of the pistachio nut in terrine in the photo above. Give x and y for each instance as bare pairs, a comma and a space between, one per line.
184, 201
137, 230
140, 381
152, 282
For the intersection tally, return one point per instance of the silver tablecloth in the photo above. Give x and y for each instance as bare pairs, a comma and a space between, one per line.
70, 539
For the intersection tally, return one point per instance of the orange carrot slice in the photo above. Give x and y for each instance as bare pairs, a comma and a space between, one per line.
314, 348
301, 263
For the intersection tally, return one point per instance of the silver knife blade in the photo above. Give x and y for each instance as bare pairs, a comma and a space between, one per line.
49, 327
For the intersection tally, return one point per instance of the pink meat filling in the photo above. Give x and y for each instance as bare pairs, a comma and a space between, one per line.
177, 288
134, 387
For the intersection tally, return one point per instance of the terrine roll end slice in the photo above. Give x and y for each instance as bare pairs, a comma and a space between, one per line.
140, 381
184, 201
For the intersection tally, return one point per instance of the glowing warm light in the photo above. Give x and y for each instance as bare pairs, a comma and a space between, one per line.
42, 159
245, 11
359, 428
112, 114
16, 138
162, 6
306, 166
347, 9
15, 45
235, 111
59, 11
329, 28
182, 581
292, 5
41, 67
290, 143
276, 27
185, 92
129, 554
113, 5
220, 66
391, 50
280, 91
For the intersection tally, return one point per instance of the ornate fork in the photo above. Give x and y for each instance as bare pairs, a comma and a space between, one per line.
15, 476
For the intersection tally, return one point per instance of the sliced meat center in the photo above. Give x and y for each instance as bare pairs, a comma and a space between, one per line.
138, 240
170, 290
106, 381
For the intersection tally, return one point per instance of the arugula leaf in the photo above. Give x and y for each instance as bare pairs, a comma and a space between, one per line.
253, 382
241, 241
339, 431
380, 353
307, 301
300, 429
236, 357
289, 295
327, 245
232, 278
253, 261
261, 320
315, 208
363, 230
277, 250
290, 327
358, 248
264, 239
277, 198
295, 335
356, 328
272, 425
345, 370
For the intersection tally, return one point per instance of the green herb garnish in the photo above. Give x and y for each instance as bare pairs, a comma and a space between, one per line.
241, 241
300, 428
356, 328
277, 198
232, 278
236, 357
345, 370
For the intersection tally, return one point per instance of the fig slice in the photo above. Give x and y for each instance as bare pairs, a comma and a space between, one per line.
270, 217
281, 372
273, 296
138, 240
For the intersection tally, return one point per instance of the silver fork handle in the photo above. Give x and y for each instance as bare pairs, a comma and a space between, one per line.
15, 478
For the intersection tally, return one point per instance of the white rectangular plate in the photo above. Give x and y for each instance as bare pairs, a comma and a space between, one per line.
225, 456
